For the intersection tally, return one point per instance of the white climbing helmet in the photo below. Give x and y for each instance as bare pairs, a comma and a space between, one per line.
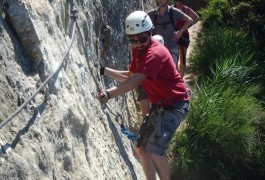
159, 38
137, 22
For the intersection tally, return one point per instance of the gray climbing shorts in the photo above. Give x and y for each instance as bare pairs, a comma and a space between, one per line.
157, 129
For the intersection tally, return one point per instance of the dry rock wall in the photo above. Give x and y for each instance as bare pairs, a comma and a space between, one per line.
64, 132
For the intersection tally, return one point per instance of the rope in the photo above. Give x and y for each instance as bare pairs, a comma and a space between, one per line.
130, 135
74, 17
118, 118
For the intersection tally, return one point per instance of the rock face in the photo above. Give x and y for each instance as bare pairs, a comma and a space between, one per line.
64, 132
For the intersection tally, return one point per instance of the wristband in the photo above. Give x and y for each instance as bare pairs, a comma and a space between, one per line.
101, 70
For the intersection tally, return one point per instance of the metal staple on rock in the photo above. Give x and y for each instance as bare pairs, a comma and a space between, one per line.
74, 17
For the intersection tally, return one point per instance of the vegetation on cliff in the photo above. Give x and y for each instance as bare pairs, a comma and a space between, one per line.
224, 133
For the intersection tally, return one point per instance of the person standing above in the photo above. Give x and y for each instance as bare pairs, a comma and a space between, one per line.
184, 41
164, 19
152, 66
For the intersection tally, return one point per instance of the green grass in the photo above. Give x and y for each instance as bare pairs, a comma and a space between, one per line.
219, 141
223, 138
217, 44
225, 129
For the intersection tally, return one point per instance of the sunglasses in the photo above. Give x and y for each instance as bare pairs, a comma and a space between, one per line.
141, 40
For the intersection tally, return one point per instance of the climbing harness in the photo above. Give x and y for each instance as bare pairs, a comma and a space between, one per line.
74, 17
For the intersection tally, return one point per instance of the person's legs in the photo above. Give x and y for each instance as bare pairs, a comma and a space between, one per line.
157, 144
182, 60
147, 165
183, 46
162, 165
146, 129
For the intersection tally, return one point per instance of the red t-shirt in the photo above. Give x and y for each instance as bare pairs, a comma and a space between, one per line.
163, 82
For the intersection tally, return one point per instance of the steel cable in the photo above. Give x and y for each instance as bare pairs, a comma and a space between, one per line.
74, 17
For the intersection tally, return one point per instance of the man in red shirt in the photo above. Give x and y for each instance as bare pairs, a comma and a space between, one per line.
152, 66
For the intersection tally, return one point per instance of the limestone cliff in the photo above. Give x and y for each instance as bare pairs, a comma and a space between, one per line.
64, 132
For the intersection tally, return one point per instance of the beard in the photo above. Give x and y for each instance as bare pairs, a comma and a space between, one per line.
141, 49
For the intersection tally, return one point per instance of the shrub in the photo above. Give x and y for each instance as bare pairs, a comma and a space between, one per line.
220, 141
215, 44
214, 13
225, 130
